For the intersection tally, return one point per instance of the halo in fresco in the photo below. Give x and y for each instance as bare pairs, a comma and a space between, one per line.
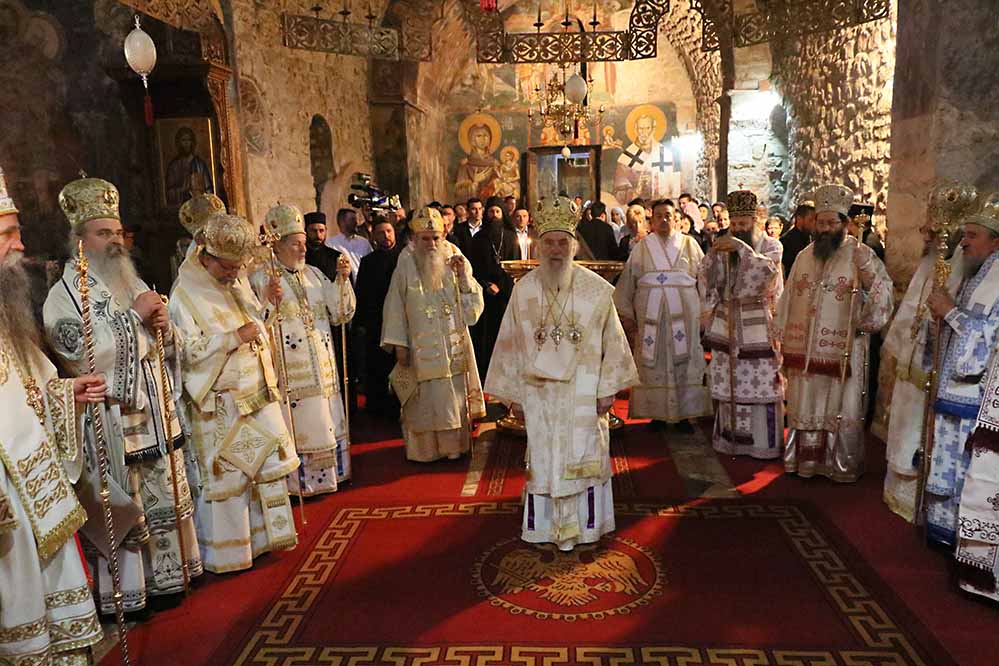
646, 110
479, 119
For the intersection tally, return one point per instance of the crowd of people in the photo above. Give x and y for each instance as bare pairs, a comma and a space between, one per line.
218, 405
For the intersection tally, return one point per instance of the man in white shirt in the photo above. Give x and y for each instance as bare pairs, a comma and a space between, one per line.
525, 239
348, 242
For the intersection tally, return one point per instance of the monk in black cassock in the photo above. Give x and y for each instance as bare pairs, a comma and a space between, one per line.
373, 279
496, 242
317, 253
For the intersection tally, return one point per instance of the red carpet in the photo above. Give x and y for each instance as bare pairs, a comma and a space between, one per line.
397, 569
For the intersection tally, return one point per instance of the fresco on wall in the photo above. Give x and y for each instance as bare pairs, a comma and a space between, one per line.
648, 104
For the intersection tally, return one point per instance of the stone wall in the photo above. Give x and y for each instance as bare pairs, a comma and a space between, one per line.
837, 91
757, 137
682, 27
945, 116
289, 87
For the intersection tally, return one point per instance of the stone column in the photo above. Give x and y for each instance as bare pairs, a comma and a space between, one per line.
945, 113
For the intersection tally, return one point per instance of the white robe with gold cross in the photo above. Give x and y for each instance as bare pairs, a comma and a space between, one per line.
658, 291
440, 389
312, 306
47, 612
569, 498
239, 435
135, 425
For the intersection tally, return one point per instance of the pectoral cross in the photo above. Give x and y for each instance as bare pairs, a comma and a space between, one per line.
430, 312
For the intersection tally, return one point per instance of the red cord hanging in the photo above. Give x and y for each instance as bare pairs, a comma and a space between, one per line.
148, 107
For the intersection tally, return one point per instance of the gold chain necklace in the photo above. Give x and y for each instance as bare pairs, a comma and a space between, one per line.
556, 333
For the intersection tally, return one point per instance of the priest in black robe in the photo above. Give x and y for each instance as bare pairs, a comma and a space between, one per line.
373, 278
317, 253
496, 242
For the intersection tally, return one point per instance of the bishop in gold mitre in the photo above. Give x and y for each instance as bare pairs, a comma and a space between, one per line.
47, 612
239, 435
431, 302
127, 316
560, 358
311, 307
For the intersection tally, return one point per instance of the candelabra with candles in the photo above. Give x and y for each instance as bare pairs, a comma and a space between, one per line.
562, 102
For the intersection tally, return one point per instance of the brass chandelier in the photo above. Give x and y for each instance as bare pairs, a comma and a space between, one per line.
562, 102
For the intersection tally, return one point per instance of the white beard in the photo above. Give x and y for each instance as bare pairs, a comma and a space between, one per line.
116, 270
431, 265
554, 276
298, 265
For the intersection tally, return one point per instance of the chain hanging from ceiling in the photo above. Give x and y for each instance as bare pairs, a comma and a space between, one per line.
495, 45
409, 38
780, 19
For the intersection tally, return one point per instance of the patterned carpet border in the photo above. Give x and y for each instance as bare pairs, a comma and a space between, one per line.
884, 641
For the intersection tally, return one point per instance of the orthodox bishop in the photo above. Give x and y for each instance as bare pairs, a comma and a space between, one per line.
741, 280
240, 437
560, 359
431, 302
141, 409
47, 612
311, 306
837, 293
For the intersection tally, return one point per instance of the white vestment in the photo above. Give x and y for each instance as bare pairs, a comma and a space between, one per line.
658, 291
135, 431
47, 612
239, 436
568, 494
827, 390
312, 306
905, 346
440, 388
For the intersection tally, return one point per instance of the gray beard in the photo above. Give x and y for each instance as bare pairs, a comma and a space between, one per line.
826, 244
552, 276
17, 319
116, 270
970, 267
431, 265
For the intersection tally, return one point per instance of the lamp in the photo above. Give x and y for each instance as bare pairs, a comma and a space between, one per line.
562, 102
140, 53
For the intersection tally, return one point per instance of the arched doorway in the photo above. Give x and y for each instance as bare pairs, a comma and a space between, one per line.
320, 154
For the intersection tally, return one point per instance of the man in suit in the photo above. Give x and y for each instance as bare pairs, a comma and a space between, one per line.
465, 231
495, 242
597, 234
524, 236
373, 279
317, 253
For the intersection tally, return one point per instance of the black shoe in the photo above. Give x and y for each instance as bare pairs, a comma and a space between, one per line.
685, 427
657, 426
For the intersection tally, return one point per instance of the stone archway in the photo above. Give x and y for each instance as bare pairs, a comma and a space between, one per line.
320, 154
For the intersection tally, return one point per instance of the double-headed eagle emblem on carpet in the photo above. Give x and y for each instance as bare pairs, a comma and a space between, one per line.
589, 582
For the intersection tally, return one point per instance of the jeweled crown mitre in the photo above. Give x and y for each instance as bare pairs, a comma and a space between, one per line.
88, 199
6, 203
835, 198
284, 220
427, 219
196, 211
556, 214
229, 237
741, 203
